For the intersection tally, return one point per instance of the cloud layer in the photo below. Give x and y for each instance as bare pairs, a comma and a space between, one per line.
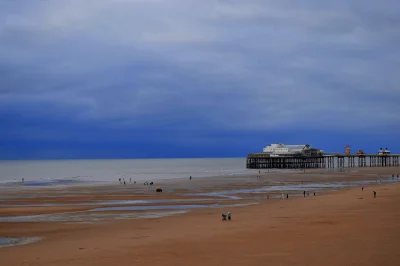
196, 69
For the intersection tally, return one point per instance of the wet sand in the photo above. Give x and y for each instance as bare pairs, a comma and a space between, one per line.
345, 227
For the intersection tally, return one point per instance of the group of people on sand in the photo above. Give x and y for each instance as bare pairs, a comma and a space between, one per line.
393, 176
259, 173
362, 188
380, 180
224, 216
287, 195
283, 195
122, 181
308, 194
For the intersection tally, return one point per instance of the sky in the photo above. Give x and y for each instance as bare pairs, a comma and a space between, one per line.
183, 78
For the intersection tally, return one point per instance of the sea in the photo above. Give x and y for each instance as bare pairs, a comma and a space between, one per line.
37, 172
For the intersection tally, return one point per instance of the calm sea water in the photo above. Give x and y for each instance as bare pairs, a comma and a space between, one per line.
112, 170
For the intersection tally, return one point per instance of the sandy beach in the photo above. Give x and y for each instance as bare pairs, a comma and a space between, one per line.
339, 226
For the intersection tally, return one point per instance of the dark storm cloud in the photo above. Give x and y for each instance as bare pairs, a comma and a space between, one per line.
190, 65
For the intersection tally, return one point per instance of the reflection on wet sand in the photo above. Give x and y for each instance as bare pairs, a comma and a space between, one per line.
11, 242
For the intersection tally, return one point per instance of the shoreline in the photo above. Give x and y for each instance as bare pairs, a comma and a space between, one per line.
89, 180
75, 182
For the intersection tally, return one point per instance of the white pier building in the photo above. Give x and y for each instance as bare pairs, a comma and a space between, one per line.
288, 150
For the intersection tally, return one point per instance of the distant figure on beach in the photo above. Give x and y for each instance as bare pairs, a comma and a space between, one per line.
314, 193
267, 196
146, 183
223, 217
374, 194
124, 183
287, 196
134, 182
362, 188
283, 196
304, 193
151, 183
119, 180
229, 216
23, 180
130, 179
190, 178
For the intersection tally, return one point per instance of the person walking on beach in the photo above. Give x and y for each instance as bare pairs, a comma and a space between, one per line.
287, 196
283, 196
374, 194
124, 183
23, 180
314, 193
304, 193
362, 188
130, 179
190, 178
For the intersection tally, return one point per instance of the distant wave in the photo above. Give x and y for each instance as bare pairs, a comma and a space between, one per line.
64, 178
10, 181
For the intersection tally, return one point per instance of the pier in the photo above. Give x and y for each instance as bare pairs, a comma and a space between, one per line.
265, 161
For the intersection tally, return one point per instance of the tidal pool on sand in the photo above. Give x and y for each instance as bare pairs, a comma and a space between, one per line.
10, 242
87, 217
168, 207
113, 202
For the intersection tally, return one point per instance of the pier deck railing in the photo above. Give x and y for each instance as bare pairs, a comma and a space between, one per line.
332, 160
